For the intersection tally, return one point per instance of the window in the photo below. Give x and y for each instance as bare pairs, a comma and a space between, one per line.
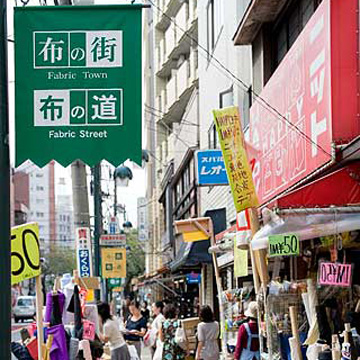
39, 175
39, 188
213, 137
289, 27
227, 98
215, 22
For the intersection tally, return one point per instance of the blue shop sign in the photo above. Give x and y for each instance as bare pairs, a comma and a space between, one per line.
211, 168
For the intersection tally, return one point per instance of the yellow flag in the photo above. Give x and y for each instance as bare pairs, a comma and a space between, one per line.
238, 169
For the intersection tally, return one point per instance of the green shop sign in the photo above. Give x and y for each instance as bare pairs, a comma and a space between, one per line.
78, 84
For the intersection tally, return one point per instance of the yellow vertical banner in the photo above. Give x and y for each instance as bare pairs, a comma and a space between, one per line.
113, 263
240, 262
238, 169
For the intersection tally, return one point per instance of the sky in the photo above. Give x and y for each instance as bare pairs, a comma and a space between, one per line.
127, 196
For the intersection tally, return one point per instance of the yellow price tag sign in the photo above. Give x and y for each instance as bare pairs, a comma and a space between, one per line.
113, 261
25, 252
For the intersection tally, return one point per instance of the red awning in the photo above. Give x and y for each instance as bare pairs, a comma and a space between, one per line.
340, 188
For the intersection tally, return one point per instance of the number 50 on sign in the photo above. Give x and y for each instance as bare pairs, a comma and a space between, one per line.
25, 252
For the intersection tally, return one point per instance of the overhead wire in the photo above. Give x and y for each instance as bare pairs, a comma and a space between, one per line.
263, 102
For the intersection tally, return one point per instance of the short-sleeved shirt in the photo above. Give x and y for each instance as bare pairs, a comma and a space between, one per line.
135, 325
112, 332
158, 321
208, 334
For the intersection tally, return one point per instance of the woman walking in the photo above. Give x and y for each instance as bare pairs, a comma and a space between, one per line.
135, 326
112, 335
171, 350
157, 310
247, 346
208, 334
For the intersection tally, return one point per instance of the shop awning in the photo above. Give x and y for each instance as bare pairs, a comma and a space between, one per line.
309, 224
340, 188
191, 254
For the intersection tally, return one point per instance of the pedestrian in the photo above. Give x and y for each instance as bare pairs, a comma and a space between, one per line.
145, 312
111, 334
171, 350
247, 346
135, 326
157, 310
125, 309
208, 335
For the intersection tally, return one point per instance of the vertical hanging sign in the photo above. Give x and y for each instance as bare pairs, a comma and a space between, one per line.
78, 84
238, 169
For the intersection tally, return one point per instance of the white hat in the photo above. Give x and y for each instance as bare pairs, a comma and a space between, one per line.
252, 310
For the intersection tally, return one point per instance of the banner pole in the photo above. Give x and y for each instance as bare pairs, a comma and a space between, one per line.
39, 316
5, 273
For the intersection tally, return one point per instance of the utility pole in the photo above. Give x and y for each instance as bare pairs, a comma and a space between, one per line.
80, 194
5, 273
98, 219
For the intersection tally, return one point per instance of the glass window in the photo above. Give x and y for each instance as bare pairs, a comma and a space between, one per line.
227, 98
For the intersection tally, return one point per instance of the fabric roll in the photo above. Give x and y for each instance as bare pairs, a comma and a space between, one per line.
293, 349
20, 351
324, 327
91, 314
313, 351
77, 314
74, 348
49, 304
59, 346
56, 314
85, 347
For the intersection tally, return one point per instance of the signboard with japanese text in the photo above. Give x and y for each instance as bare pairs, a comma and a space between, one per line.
238, 169
25, 253
84, 262
294, 139
210, 168
82, 238
78, 84
334, 274
113, 263
113, 283
113, 240
284, 245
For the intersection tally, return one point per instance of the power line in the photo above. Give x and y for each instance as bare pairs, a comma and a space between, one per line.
262, 101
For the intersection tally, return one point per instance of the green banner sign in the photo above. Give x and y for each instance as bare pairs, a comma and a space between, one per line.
283, 245
113, 283
78, 74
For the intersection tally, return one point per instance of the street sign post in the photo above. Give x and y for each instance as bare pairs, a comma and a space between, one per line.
210, 168
78, 84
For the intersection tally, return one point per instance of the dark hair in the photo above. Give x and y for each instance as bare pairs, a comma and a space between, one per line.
160, 305
170, 311
104, 312
136, 304
206, 314
145, 303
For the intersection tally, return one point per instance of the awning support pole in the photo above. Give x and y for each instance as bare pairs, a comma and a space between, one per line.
223, 334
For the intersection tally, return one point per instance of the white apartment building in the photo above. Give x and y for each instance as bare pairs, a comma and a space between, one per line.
171, 97
65, 234
42, 201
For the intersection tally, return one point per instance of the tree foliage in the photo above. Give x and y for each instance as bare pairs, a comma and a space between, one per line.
135, 256
60, 260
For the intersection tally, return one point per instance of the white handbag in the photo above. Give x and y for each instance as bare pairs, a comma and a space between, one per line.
159, 351
133, 353
180, 337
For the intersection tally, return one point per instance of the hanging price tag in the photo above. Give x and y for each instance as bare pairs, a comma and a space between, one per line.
283, 245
